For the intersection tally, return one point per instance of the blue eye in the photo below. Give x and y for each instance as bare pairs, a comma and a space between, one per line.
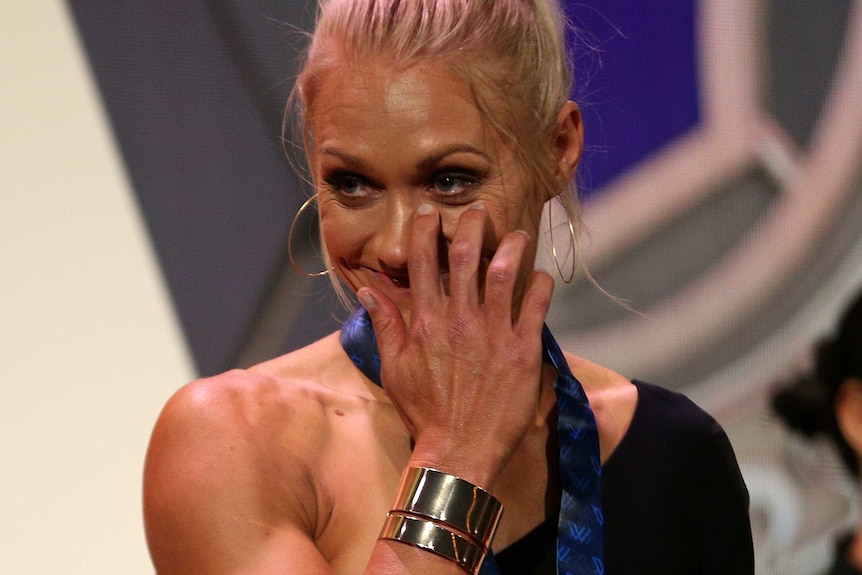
453, 183
348, 186
447, 183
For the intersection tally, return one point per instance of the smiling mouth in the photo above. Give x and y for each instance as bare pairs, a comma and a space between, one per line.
402, 281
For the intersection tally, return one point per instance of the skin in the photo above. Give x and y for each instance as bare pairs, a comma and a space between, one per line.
292, 465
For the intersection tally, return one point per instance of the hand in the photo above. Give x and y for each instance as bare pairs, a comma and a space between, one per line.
464, 374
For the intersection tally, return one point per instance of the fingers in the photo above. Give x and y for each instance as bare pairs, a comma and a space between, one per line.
535, 303
423, 261
465, 253
389, 325
502, 277
463, 257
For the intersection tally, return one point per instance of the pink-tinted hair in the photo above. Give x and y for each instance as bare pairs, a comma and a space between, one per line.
511, 52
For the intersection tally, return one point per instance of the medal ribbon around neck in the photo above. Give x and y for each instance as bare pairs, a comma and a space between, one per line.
580, 531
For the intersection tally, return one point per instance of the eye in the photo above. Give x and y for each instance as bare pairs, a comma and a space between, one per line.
349, 187
455, 185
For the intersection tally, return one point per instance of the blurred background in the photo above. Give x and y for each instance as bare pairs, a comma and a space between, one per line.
146, 196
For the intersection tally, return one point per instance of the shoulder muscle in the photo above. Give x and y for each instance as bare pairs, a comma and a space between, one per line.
221, 484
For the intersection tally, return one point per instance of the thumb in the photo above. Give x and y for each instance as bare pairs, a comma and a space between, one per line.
389, 326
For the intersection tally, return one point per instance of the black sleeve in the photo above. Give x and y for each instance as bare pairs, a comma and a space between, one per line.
728, 547
674, 499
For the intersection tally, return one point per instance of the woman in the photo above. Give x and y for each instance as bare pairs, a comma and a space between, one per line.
435, 132
828, 401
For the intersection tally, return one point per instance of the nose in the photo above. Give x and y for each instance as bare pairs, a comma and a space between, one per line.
392, 238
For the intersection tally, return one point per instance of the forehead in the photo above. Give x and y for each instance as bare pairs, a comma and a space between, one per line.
377, 101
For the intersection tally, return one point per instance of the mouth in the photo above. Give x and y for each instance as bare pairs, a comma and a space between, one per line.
402, 282
391, 279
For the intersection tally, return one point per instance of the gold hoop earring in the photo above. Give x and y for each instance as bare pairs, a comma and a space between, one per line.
566, 280
295, 265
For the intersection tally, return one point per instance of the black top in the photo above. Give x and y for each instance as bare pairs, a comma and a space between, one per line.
674, 502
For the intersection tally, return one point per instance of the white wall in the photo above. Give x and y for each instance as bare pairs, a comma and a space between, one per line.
89, 346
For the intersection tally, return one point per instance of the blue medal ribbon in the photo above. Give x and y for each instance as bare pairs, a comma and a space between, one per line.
580, 531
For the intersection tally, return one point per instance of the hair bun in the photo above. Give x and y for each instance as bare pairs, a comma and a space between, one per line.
830, 365
804, 405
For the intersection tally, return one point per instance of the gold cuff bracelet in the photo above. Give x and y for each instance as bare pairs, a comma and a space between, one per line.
449, 500
436, 538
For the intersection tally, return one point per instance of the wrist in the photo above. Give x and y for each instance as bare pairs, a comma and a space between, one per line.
478, 465
445, 515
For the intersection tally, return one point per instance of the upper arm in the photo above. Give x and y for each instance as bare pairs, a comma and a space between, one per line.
208, 506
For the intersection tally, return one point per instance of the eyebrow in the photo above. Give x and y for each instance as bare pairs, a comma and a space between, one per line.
436, 158
348, 159
425, 164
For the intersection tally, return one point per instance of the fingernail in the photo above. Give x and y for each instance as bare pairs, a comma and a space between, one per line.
425, 209
366, 299
477, 206
526, 234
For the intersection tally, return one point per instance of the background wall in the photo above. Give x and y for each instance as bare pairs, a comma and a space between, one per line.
89, 344
145, 202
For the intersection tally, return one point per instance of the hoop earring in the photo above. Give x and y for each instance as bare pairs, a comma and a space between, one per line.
566, 280
295, 265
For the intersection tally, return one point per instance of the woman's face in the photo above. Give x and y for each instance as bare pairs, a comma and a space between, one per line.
387, 140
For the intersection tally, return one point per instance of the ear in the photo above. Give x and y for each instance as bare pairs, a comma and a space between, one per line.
568, 142
848, 412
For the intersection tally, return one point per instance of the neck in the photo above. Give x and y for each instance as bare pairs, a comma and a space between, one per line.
547, 404
535, 462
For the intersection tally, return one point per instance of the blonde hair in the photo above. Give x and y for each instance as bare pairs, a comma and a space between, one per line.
512, 53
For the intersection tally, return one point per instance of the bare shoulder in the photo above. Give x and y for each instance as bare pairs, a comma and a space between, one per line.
250, 409
237, 411
613, 399
230, 466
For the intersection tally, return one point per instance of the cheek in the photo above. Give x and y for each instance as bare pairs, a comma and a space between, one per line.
342, 238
